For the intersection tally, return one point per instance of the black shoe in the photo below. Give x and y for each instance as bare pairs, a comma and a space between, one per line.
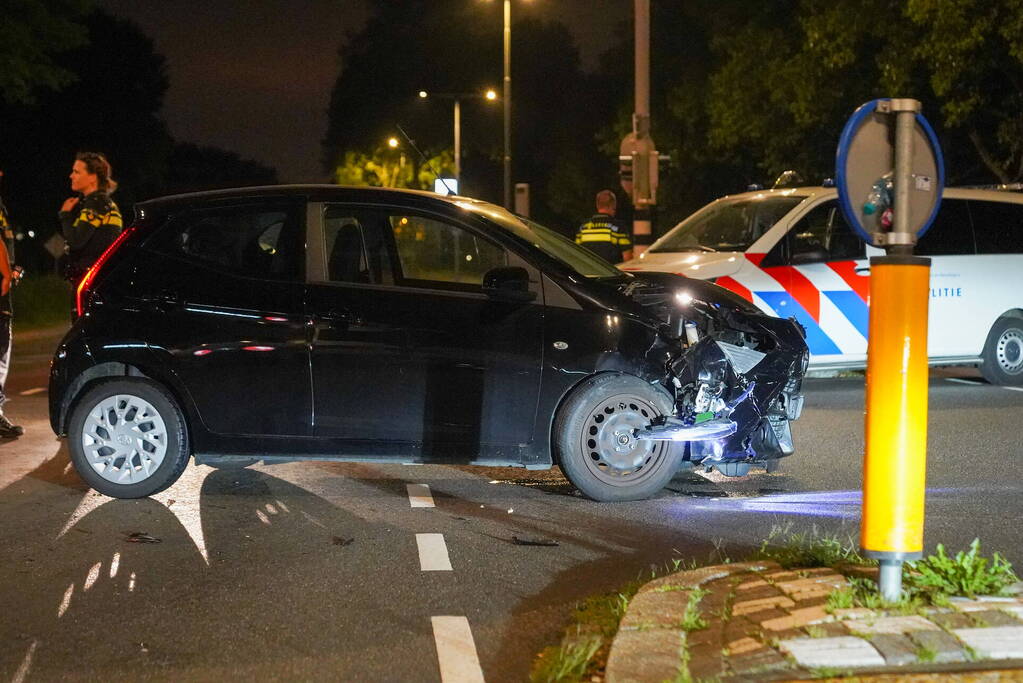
8, 430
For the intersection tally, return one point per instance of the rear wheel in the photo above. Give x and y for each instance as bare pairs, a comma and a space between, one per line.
595, 443
127, 438
1003, 352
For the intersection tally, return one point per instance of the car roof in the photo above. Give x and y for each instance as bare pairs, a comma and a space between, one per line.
314, 192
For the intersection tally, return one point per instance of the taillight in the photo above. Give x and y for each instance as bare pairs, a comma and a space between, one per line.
90, 275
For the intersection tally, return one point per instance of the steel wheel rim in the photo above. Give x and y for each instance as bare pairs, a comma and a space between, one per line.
1009, 351
610, 450
124, 439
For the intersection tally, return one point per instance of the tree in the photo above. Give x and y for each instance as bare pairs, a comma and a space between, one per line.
35, 32
191, 167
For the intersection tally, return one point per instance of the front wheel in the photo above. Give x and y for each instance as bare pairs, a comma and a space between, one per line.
1003, 353
127, 438
595, 443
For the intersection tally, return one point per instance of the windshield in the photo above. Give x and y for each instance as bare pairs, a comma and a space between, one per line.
727, 226
553, 244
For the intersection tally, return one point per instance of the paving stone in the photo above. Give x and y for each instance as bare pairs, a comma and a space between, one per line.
951, 620
945, 647
742, 645
832, 629
983, 603
843, 652
853, 613
893, 625
750, 606
813, 583
755, 583
737, 628
993, 617
787, 634
797, 618
758, 593
1017, 611
774, 577
764, 659
1000, 642
644, 656
896, 649
658, 610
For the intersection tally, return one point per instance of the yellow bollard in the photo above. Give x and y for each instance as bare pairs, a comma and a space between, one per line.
895, 461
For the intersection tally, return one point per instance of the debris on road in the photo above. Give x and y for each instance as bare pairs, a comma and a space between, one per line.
523, 540
337, 540
141, 537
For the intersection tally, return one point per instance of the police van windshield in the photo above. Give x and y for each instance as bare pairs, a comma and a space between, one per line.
727, 226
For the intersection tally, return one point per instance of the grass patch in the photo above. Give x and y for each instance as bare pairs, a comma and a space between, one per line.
584, 648
793, 550
41, 301
926, 654
967, 573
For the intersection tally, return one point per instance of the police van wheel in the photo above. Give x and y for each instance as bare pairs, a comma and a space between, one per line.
1003, 353
595, 445
127, 438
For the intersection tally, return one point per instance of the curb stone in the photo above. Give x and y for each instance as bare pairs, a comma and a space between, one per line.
782, 631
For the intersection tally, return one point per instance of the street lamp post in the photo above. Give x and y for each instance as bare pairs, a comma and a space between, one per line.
458, 97
507, 106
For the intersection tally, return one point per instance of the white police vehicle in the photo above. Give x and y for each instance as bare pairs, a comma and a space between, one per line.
792, 254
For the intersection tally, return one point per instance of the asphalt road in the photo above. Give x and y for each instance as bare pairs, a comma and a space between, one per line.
326, 571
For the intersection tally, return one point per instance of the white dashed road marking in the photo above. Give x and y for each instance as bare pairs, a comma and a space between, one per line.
456, 651
1013, 388
962, 381
419, 496
433, 553
26, 663
33, 392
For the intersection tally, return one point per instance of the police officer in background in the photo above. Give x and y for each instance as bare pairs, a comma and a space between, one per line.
602, 234
7, 280
90, 221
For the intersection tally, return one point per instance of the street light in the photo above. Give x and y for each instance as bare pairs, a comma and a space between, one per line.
490, 95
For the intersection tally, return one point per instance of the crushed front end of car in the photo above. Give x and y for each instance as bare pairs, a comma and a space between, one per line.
736, 373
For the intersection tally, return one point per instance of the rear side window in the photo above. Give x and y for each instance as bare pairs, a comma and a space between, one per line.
997, 227
951, 233
354, 244
259, 241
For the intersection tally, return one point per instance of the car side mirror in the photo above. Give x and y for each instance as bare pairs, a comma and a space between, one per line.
508, 283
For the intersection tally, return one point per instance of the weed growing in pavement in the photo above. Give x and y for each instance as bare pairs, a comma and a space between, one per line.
793, 550
926, 654
830, 672
968, 573
691, 618
816, 631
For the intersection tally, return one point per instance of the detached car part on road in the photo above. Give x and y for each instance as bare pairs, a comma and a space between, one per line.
325, 323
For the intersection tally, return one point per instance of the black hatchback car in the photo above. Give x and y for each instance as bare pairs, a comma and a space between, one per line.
329, 323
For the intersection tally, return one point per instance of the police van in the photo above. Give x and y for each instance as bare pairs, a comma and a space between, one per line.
792, 253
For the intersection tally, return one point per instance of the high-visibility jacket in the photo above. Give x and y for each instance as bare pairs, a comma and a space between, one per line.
604, 237
89, 229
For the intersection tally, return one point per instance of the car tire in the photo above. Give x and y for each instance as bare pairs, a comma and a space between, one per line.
594, 444
127, 438
1003, 353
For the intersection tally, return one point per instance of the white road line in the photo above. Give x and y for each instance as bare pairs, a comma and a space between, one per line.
26, 663
33, 392
419, 496
962, 381
433, 553
1013, 388
456, 651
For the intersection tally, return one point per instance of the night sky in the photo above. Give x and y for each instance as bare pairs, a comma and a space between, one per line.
254, 76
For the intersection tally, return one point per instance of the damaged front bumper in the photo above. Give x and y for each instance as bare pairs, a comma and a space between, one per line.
737, 386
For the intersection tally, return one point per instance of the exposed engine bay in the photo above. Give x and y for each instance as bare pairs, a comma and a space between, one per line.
736, 375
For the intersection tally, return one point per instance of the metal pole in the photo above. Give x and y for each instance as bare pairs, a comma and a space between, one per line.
905, 121
507, 106
458, 139
641, 228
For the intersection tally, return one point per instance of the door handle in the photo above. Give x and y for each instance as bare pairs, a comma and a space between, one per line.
862, 270
332, 318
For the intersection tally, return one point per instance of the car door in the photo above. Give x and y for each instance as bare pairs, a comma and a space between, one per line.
223, 306
406, 347
822, 268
